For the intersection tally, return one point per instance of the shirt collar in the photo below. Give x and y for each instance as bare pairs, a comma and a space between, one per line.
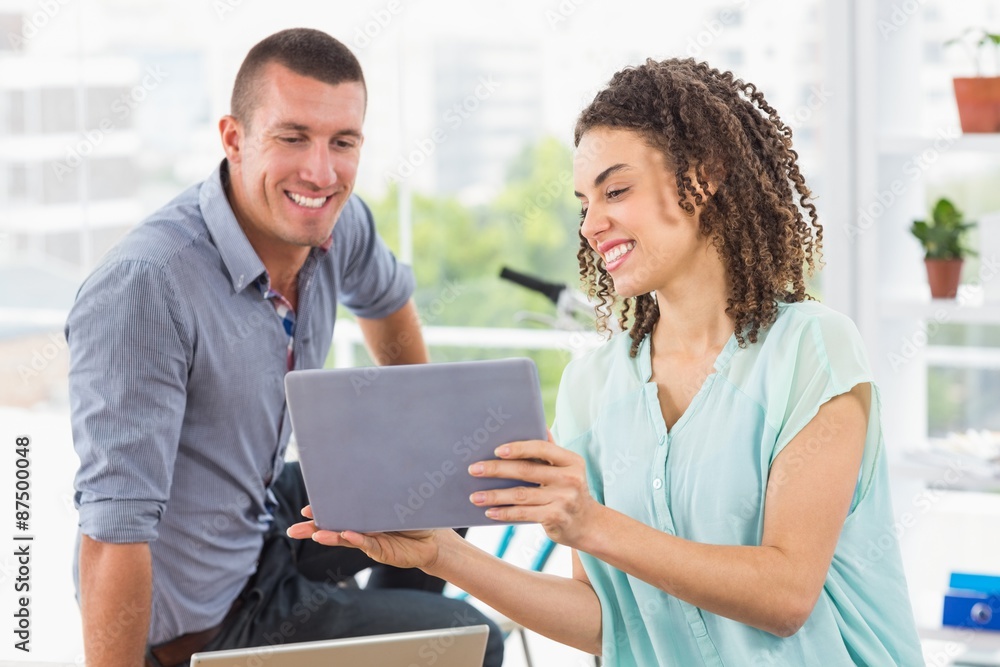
644, 357
239, 257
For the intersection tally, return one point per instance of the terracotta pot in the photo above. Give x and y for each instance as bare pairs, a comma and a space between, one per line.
943, 276
978, 101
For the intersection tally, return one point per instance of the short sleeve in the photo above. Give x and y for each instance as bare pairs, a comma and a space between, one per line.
127, 382
573, 414
586, 383
823, 358
560, 423
373, 284
572, 427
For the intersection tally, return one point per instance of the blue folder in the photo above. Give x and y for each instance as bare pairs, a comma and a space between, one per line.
972, 601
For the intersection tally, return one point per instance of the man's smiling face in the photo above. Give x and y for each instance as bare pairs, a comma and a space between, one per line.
293, 164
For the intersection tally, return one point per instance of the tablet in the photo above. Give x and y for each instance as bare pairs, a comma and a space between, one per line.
388, 448
451, 647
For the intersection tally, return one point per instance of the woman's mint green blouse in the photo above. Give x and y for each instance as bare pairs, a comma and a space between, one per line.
705, 480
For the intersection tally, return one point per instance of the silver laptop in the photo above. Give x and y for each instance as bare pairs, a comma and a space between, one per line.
450, 647
388, 448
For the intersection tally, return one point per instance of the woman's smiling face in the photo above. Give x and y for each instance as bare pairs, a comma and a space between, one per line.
630, 212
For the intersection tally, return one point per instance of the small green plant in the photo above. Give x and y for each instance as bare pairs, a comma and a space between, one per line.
944, 235
975, 41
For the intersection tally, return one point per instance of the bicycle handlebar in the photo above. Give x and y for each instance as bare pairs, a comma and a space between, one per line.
550, 290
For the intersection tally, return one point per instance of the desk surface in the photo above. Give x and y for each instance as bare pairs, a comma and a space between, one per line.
942, 647
953, 646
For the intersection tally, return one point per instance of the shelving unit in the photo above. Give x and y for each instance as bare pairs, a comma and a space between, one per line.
947, 139
955, 527
894, 154
967, 309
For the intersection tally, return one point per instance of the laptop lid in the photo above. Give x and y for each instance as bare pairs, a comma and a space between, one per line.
388, 448
449, 647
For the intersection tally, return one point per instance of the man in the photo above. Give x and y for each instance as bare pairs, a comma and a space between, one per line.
179, 344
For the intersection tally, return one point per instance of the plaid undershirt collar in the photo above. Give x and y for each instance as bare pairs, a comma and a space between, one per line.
283, 308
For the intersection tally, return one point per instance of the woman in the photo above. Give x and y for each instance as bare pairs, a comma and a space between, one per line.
720, 471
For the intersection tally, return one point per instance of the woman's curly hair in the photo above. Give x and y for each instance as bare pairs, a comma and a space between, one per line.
708, 123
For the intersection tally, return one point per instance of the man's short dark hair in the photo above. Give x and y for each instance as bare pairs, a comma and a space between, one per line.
306, 52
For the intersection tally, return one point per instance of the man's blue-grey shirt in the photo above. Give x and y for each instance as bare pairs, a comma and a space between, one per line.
177, 389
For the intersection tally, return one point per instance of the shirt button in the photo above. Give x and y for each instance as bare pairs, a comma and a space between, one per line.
662, 440
657, 483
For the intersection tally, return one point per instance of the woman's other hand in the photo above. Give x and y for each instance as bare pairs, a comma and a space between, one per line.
413, 548
561, 502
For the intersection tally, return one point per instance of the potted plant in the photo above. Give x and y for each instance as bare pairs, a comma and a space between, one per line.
943, 239
978, 97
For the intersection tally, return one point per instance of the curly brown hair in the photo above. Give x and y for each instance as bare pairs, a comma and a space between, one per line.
709, 123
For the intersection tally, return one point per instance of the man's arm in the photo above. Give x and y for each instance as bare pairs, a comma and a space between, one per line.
128, 373
116, 590
396, 339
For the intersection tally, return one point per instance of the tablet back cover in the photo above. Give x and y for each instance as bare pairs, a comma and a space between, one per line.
388, 448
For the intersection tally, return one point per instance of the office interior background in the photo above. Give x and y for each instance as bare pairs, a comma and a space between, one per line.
108, 108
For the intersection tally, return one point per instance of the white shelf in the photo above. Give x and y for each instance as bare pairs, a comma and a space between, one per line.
956, 646
964, 356
945, 478
969, 308
988, 639
943, 311
951, 140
